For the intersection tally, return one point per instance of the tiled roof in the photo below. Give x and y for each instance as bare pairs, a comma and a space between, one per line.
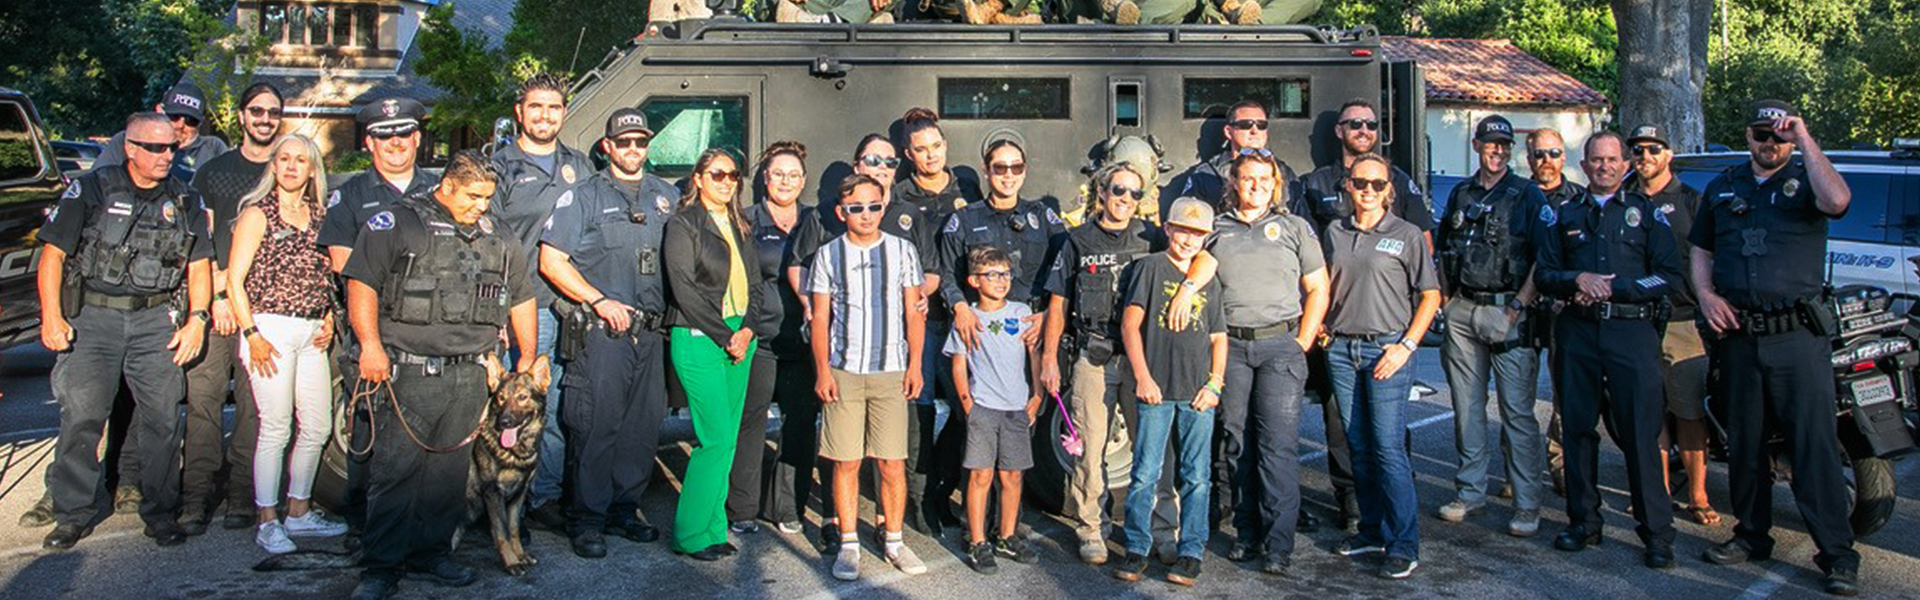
1491, 72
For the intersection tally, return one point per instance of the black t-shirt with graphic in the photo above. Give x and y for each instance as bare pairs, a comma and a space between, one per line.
1178, 360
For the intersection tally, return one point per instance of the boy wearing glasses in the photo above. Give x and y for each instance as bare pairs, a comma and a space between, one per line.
992, 378
867, 339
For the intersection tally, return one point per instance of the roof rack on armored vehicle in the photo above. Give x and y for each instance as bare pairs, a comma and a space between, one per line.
737, 30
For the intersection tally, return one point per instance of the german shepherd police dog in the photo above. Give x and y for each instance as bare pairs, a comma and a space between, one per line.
506, 450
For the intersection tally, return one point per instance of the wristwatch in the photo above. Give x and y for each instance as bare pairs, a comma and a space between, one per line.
1412, 345
202, 315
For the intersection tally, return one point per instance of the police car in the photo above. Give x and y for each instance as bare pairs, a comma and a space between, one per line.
30, 183
1878, 241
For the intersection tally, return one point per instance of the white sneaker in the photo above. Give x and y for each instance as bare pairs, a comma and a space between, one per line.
906, 561
273, 537
1525, 523
314, 524
1458, 510
847, 566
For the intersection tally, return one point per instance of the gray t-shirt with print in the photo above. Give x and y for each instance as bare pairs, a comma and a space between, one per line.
997, 369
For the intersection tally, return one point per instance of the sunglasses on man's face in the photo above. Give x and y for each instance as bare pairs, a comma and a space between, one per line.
1360, 184
998, 169
855, 209
1645, 149
186, 120
1260, 152
1120, 192
263, 112
1765, 136
1248, 124
875, 161
1554, 153
1361, 124
156, 147
624, 143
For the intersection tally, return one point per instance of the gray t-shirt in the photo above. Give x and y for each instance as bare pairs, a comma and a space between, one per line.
1261, 264
1375, 276
997, 370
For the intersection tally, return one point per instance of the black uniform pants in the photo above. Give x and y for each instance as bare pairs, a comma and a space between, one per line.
743, 480
787, 486
417, 500
109, 345
1264, 380
1783, 384
1613, 366
616, 392
208, 380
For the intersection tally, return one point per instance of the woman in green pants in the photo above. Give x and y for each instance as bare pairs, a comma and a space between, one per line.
708, 293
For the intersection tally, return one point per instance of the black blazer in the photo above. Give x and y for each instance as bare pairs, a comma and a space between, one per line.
696, 260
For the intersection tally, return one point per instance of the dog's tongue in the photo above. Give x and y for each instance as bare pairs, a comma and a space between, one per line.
509, 437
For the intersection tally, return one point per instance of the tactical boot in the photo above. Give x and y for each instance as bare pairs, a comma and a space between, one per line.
126, 500
41, 515
1124, 12
1249, 14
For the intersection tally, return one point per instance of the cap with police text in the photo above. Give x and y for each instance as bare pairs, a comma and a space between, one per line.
1765, 111
185, 100
1649, 133
628, 120
392, 116
1494, 128
1192, 213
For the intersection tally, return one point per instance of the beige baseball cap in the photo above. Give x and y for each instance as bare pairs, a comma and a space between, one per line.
1192, 213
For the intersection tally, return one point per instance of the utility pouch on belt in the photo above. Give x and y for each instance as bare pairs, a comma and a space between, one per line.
575, 321
1818, 317
73, 292
1098, 350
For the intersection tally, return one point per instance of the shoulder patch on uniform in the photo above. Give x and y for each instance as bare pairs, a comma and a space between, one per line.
381, 221
906, 222
1548, 215
953, 223
1650, 282
1660, 214
333, 198
73, 190
565, 200
1054, 217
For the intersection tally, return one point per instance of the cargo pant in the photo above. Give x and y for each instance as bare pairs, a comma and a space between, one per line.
110, 345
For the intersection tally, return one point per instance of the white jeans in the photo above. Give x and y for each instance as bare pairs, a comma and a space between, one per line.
302, 384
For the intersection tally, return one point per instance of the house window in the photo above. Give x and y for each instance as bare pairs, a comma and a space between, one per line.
321, 24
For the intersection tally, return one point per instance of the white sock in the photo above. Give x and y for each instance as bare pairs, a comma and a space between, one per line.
850, 541
894, 541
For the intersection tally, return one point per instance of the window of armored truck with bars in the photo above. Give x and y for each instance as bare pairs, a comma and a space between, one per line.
1209, 97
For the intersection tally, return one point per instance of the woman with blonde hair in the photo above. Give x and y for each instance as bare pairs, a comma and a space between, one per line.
281, 295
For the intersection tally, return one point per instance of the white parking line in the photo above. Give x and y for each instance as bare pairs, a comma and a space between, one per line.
1315, 455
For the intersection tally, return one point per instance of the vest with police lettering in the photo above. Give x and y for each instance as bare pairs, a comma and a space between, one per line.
1101, 258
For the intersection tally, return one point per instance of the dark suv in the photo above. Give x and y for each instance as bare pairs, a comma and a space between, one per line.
30, 183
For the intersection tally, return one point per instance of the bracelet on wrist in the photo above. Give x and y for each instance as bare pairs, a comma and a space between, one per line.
220, 296
250, 331
596, 302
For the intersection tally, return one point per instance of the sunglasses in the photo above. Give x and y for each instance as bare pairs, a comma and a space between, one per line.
1360, 184
1247, 124
875, 161
1260, 152
1546, 154
156, 147
1645, 149
385, 135
723, 176
1765, 136
189, 121
263, 112
1118, 192
855, 209
1361, 124
623, 143
994, 275
1019, 168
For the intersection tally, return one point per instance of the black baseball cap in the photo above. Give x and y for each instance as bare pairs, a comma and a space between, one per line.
1765, 111
627, 120
392, 116
1494, 128
1649, 133
185, 100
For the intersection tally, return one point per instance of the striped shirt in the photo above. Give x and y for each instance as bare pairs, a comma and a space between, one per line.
869, 312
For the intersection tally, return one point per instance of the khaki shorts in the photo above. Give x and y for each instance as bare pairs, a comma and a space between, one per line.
1684, 360
869, 420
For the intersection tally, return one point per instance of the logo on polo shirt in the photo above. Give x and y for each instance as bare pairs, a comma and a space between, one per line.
1391, 246
1272, 231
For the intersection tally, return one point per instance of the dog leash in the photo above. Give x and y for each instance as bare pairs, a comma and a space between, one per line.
366, 392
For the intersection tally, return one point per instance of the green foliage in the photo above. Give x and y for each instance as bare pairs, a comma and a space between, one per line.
350, 161
475, 80
574, 35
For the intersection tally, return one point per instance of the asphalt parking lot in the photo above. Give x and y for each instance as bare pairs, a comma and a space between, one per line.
1474, 559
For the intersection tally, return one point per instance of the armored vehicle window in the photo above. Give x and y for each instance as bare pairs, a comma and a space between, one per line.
19, 155
685, 127
1005, 98
1126, 104
1209, 97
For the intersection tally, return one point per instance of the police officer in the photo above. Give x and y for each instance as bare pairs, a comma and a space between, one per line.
534, 171
1085, 288
1612, 256
1760, 244
1486, 258
138, 242
1246, 133
602, 251
1359, 132
185, 107
1547, 161
431, 283
393, 137
1683, 357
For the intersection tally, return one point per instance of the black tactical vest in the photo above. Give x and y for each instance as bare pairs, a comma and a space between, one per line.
138, 244
1483, 253
461, 279
1101, 258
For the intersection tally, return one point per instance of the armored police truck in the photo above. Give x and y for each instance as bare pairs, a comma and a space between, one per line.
1063, 90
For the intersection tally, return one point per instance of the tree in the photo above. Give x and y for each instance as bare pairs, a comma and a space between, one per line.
223, 67
1663, 66
474, 79
573, 35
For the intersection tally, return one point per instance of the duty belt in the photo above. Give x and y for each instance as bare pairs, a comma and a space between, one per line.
1373, 338
125, 302
1287, 327
1490, 298
1613, 310
431, 364
1768, 323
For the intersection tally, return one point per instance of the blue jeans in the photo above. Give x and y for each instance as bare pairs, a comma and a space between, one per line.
1173, 420
553, 444
1374, 413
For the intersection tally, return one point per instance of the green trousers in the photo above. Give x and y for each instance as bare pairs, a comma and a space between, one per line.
716, 394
